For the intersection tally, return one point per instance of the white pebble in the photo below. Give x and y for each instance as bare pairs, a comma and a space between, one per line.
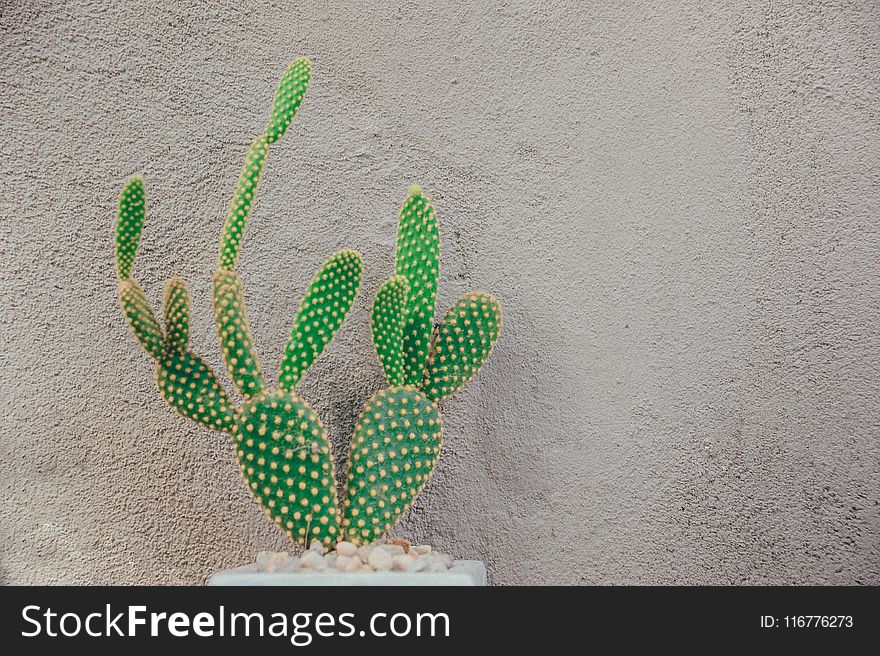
269, 561
402, 563
348, 557
312, 560
290, 565
344, 563
346, 548
379, 559
392, 549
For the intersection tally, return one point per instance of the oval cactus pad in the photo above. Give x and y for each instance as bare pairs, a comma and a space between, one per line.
285, 459
396, 442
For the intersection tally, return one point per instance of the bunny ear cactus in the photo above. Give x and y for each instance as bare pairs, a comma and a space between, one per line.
399, 434
280, 443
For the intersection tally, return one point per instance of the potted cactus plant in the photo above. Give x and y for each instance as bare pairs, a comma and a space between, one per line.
281, 446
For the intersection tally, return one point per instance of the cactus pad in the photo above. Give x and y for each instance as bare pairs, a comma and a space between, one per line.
285, 459
234, 333
388, 318
291, 88
140, 317
129, 223
321, 313
463, 341
242, 200
418, 259
176, 312
396, 442
190, 387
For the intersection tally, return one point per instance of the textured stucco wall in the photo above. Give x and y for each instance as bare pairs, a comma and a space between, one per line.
677, 203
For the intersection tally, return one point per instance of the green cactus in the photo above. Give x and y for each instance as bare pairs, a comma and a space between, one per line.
461, 344
189, 386
325, 306
399, 434
291, 89
234, 334
284, 456
389, 320
175, 309
140, 317
281, 445
242, 199
396, 443
184, 380
418, 260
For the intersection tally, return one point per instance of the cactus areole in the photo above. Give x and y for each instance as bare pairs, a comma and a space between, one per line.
282, 448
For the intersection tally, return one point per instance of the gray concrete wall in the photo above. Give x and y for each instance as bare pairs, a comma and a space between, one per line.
677, 203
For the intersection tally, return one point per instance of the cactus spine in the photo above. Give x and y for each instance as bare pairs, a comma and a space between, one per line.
281, 445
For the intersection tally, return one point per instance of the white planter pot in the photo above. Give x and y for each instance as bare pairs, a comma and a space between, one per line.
463, 572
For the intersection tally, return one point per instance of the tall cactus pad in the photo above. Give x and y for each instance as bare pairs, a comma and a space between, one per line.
129, 223
286, 462
176, 313
189, 386
242, 199
321, 313
418, 259
389, 317
234, 333
291, 88
140, 317
464, 340
396, 442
